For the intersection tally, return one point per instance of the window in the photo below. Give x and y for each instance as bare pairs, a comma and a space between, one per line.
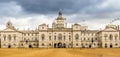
24, 34
88, 34
88, 39
42, 27
96, 39
43, 44
84, 39
14, 44
116, 37
28, 34
60, 37
14, 36
36, 39
49, 37
69, 37
49, 44
116, 44
92, 34
76, 37
4, 37
24, 38
9, 37
54, 37
36, 34
76, 27
76, 44
64, 37
105, 36
111, 37
43, 36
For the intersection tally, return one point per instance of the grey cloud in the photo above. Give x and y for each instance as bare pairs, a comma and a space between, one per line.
83, 9
52, 6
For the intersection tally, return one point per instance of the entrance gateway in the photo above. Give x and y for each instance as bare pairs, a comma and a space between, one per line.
59, 45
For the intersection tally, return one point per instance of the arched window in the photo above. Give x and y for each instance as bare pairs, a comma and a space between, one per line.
4, 36
54, 37
9, 37
111, 37
105, 36
14, 36
69, 37
43, 36
49, 37
60, 37
116, 36
64, 37
76, 37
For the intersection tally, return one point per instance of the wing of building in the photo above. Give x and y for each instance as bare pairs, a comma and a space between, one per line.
59, 36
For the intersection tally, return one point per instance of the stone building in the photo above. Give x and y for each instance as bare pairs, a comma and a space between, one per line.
59, 36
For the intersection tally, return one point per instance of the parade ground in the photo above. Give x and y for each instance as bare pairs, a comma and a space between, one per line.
60, 52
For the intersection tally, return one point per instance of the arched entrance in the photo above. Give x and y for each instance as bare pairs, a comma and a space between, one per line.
59, 45
82, 46
90, 46
111, 46
9, 46
30, 46
105, 45
64, 45
55, 45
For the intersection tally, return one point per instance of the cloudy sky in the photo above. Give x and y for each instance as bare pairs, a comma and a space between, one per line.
26, 14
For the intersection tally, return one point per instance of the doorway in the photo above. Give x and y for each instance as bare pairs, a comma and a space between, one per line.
59, 45
55, 45
105, 45
111, 46
64, 45
9, 46
30, 46
90, 46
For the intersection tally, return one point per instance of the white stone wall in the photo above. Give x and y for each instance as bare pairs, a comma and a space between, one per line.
106, 40
5, 42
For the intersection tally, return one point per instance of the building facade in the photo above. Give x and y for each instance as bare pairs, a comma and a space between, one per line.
59, 36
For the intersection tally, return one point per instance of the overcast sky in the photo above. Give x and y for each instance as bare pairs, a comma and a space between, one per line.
31, 13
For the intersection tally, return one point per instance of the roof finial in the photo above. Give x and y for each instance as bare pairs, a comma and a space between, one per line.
9, 24
60, 12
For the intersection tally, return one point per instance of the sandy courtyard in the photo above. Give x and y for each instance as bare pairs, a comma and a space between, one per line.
22, 52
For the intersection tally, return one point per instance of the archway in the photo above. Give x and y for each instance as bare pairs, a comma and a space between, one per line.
64, 45
30, 46
111, 46
59, 45
55, 45
82, 46
9, 46
90, 46
105, 45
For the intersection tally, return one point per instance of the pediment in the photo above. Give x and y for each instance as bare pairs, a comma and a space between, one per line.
9, 30
110, 29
